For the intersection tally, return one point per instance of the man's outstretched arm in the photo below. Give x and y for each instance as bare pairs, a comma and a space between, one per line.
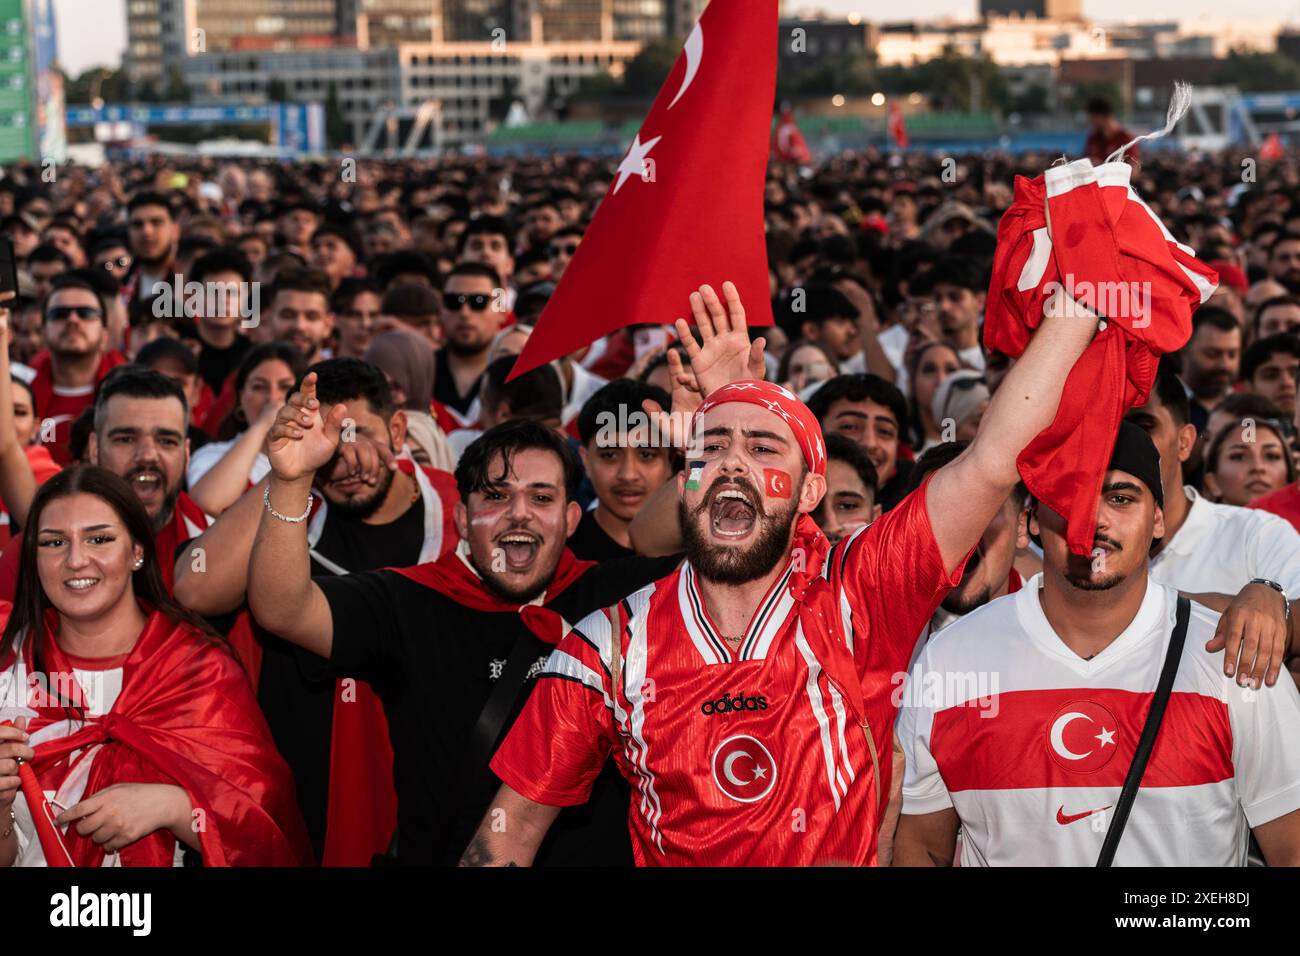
216, 585
511, 831
926, 839
964, 496
281, 593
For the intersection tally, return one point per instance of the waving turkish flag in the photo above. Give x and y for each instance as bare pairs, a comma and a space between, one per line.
686, 206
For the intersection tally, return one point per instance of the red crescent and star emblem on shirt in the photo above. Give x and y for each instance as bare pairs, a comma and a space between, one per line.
1081, 736
743, 769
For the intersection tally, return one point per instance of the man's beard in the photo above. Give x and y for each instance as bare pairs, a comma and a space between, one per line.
164, 516
961, 605
465, 349
736, 565
363, 508
1085, 581
508, 596
499, 590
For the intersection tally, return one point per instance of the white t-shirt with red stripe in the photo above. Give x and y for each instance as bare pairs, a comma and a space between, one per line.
1030, 743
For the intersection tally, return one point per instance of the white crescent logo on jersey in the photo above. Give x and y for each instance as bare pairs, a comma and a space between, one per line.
1082, 736
743, 769
1058, 735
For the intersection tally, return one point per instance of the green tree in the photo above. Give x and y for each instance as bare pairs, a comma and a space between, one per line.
1257, 72
645, 73
1097, 89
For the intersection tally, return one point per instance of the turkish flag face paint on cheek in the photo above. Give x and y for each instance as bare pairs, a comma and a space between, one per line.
778, 483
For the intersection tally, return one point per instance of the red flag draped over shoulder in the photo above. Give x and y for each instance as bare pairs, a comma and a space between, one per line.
185, 716
686, 206
1110, 253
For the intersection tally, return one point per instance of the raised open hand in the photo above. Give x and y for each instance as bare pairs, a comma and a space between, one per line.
724, 353
301, 440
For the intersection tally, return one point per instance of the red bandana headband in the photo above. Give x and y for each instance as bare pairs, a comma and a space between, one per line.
807, 431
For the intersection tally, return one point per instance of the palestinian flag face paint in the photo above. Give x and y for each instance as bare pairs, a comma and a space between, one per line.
693, 474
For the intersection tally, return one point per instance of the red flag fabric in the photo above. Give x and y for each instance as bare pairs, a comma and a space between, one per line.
686, 206
787, 141
452, 576
185, 716
1272, 148
898, 126
1111, 254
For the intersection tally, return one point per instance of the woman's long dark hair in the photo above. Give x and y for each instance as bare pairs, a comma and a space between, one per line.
234, 423
30, 600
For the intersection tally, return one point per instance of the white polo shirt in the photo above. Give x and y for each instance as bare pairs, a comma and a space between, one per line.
1030, 743
1220, 548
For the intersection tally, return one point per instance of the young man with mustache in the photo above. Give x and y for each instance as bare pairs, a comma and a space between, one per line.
1076, 654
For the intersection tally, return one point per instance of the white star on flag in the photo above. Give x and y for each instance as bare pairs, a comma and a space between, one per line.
634, 163
1106, 737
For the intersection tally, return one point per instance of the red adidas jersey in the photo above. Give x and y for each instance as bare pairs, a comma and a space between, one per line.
757, 757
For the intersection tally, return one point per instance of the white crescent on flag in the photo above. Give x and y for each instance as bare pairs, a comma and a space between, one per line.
694, 50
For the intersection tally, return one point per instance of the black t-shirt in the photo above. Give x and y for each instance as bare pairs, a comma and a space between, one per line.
216, 364
592, 543
296, 689
433, 662
444, 385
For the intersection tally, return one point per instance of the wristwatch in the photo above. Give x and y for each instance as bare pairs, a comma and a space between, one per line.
1279, 589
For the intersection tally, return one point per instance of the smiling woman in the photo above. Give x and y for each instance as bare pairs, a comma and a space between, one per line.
96, 658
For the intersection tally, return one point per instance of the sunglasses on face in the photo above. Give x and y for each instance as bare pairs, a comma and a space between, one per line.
568, 249
61, 313
477, 301
120, 262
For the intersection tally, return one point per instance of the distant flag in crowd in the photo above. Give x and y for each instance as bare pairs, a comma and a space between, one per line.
686, 207
897, 125
788, 144
1272, 148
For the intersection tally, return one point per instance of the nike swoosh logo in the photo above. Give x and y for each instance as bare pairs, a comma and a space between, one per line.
1065, 819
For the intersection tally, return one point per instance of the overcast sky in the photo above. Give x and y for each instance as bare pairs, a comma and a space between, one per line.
93, 32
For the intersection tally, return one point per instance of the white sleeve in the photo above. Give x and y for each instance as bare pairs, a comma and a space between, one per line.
201, 461
1265, 760
1276, 553
923, 788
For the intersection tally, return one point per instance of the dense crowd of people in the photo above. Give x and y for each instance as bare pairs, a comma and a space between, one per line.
299, 574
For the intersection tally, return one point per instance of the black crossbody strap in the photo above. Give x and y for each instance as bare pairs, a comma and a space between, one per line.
491, 720
1150, 730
